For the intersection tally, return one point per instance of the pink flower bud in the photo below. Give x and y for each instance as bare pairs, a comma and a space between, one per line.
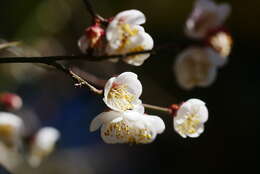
11, 101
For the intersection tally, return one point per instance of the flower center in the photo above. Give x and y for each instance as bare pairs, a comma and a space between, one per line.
126, 33
6, 130
120, 97
128, 134
222, 43
190, 125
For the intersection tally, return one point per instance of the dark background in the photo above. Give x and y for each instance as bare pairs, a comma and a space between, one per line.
229, 141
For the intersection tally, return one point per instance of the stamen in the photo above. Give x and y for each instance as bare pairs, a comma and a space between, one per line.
126, 33
120, 97
190, 125
128, 134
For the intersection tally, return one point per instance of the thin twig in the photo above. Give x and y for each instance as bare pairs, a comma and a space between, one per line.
80, 82
158, 108
92, 12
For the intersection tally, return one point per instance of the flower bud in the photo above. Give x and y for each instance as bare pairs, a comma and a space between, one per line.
10, 101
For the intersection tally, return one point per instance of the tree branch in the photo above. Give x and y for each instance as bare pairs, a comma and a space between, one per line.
80, 82
85, 57
92, 12
158, 108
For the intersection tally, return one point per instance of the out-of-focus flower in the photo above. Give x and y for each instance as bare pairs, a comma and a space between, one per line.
122, 93
93, 40
127, 127
11, 129
206, 15
42, 145
124, 34
221, 42
10, 101
195, 67
9, 158
190, 118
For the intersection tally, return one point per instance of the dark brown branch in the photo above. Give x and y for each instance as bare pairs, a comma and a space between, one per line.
92, 12
76, 57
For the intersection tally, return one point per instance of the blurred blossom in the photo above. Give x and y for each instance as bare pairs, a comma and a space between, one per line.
124, 35
42, 145
10, 101
127, 127
190, 118
222, 43
206, 16
9, 158
195, 67
93, 40
122, 93
11, 129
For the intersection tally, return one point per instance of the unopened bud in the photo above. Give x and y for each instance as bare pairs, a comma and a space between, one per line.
10, 101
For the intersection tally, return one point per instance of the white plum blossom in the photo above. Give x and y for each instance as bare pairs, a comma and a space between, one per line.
190, 118
122, 93
127, 127
196, 67
11, 129
124, 34
43, 145
206, 16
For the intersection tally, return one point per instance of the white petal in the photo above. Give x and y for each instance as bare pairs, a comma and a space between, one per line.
133, 17
157, 123
134, 86
46, 138
146, 42
138, 107
13, 120
103, 118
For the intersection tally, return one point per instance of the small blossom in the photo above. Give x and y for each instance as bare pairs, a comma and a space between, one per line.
195, 67
221, 42
43, 145
127, 127
11, 101
122, 93
93, 40
11, 128
190, 118
206, 16
124, 34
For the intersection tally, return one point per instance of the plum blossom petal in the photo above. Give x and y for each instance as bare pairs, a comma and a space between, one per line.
130, 127
190, 118
122, 93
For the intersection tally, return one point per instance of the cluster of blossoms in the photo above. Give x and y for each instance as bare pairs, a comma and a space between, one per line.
122, 34
126, 122
197, 65
13, 135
